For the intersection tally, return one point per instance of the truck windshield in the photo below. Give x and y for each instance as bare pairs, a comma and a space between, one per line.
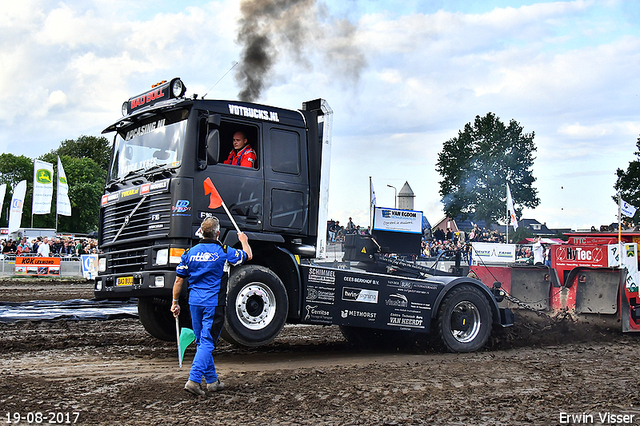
155, 141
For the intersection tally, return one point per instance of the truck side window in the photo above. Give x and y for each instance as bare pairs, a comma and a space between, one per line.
239, 145
285, 151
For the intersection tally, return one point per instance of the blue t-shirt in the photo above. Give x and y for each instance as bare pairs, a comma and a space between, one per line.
205, 264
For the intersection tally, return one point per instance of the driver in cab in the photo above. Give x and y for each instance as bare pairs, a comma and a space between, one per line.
242, 154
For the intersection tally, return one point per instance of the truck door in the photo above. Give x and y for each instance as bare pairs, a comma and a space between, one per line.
286, 180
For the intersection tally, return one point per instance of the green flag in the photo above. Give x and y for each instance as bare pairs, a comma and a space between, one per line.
187, 336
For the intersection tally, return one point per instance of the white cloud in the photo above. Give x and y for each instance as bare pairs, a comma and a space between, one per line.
566, 70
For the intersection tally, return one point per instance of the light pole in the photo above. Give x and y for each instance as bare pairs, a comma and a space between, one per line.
395, 196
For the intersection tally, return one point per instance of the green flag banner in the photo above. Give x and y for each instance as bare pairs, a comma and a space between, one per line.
187, 336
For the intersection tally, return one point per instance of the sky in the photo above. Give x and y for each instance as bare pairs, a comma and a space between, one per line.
401, 78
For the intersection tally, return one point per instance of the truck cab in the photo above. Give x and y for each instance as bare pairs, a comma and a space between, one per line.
168, 157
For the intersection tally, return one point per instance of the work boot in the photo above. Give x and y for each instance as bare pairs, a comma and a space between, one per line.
193, 388
215, 386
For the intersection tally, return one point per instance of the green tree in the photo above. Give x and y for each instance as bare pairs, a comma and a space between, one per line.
85, 161
86, 180
477, 164
96, 148
628, 184
519, 234
13, 169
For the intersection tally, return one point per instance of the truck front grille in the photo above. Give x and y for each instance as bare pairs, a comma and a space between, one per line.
127, 261
150, 220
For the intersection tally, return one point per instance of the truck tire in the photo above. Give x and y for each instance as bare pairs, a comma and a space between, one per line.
464, 319
157, 319
257, 306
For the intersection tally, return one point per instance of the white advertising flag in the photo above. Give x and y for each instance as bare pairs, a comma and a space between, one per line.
3, 192
372, 195
17, 202
63, 204
512, 212
42, 187
627, 209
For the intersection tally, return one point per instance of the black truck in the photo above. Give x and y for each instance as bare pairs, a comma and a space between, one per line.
168, 159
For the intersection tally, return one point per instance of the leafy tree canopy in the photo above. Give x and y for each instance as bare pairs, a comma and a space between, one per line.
628, 184
477, 164
96, 148
85, 162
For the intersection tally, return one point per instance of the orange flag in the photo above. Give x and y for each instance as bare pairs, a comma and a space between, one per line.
215, 200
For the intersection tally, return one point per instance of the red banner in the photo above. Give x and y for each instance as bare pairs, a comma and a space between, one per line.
573, 256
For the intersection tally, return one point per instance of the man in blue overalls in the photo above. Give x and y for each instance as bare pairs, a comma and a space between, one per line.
206, 265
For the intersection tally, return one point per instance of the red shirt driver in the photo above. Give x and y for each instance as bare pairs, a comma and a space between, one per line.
241, 154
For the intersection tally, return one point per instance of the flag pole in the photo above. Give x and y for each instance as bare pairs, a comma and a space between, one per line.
508, 214
216, 201
230, 217
619, 230
178, 338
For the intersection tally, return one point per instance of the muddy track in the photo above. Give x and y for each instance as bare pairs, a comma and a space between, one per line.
112, 372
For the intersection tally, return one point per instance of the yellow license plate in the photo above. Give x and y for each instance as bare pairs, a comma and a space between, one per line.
125, 281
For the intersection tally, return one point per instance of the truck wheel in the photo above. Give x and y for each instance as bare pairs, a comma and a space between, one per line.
257, 307
464, 320
158, 320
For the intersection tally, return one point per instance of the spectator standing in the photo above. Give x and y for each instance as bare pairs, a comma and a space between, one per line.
538, 252
44, 249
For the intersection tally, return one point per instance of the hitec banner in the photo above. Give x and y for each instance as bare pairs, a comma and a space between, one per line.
396, 220
486, 253
42, 187
570, 256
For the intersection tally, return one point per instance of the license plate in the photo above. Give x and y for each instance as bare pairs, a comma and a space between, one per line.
125, 281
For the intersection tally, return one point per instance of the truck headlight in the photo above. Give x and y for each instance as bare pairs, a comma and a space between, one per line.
162, 257
102, 264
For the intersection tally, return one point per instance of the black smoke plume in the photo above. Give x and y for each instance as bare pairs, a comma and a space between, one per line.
271, 28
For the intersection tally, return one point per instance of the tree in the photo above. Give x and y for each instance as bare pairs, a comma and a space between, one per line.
96, 148
628, 184
86, 180
13, 169
85, 161
477, 164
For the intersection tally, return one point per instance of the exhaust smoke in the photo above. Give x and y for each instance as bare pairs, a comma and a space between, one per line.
297, 28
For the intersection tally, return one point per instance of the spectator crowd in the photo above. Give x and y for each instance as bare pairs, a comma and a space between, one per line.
336, 232
439, 242
43, 246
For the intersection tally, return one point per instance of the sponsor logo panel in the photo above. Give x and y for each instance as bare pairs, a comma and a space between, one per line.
351, 294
